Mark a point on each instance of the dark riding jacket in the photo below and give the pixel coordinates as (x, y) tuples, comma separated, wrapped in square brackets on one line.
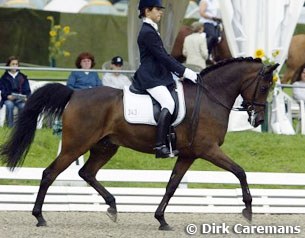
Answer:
[(156, 64), (9, 85)]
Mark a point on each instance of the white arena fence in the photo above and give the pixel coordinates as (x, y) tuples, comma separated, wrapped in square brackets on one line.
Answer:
[(73, 195)]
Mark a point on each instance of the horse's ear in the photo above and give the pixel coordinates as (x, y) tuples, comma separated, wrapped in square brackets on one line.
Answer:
[(270, 68)]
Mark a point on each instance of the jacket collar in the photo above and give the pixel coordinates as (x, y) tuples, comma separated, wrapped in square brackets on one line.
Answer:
[(151, 22), (14, 75)]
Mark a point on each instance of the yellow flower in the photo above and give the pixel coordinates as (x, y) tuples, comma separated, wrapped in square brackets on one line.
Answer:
[(57, 44), (275, 53), (53, 33), (66, 29), (58, 37), (259, 53), (66, 53)]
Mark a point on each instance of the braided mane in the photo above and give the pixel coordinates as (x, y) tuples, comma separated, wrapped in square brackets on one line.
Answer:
[(228, 61)]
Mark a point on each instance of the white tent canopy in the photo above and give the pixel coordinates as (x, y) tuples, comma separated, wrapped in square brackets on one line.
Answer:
[(70, 6), (262, 24)]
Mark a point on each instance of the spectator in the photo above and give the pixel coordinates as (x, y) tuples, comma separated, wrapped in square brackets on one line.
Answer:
[(15, 89), (82, 79), (195, 46), (298, 93), (116, 79), (155, 73), (208, 13)]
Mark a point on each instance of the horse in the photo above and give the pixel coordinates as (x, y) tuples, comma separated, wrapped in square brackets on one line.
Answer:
[(93, 120), (220, 52), (295, 59)]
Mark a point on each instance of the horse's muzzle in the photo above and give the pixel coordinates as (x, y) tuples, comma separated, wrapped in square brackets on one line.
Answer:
[(259, 119), (256, 118)]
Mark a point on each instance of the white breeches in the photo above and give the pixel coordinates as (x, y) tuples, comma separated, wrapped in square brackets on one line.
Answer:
[(163, 96)]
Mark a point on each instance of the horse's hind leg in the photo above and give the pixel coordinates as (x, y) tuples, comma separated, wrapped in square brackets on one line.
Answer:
[(221, 160), (48, 177), (100, 154), (181, 166)]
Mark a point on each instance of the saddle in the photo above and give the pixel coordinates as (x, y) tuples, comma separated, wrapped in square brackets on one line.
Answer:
[(141, 108)]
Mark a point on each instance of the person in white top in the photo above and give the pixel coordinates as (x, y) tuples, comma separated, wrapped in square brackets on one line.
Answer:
[(208, 12), (195, 46), (116, 79), (298, 92)]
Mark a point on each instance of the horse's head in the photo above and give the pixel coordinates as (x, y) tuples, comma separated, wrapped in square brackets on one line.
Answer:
[(255, 93)]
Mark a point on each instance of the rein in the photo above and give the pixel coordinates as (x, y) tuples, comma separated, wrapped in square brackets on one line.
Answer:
[(195, 114), (203, 86), (246, 103), (247, 106)]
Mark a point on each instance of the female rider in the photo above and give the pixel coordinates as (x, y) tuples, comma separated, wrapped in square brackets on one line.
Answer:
[(156, 68)]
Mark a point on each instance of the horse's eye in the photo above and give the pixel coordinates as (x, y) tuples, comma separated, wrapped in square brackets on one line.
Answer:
[(264, 89)]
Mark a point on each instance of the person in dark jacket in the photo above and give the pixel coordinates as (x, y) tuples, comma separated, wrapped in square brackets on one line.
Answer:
[(15, 89), (156, 70)]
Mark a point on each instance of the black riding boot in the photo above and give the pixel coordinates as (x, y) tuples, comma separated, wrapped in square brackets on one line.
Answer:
[(162, 151)]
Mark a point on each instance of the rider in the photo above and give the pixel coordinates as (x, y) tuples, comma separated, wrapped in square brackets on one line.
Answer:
[(156, 70), (208, 13)]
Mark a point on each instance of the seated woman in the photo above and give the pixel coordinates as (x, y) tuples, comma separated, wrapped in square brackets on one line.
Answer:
[(15, 89), (79, 80), (84, 79)]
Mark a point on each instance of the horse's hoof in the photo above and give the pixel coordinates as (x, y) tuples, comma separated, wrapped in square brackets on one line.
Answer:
[(41, 223), (112, 214), (247, 213), (165, 228)]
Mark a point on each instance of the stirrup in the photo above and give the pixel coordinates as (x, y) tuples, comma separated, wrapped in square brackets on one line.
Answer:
[(163, 152)]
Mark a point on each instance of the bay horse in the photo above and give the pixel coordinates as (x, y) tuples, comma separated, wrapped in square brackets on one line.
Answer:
[(295, 58), (93, 121)]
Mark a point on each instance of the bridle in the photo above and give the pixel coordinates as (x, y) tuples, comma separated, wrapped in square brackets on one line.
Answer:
[(249, 105)]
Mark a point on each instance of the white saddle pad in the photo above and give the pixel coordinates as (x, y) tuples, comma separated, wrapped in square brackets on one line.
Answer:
[(138, 108)]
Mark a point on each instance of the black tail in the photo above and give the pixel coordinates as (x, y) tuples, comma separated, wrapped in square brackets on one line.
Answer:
[(50, 99)]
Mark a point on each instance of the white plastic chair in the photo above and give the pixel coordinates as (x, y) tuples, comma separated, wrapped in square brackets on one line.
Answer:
[(295, 111), (2, 116)]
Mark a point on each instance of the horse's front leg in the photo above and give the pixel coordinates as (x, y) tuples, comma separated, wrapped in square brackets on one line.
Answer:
[(181, 166), (221, 160)]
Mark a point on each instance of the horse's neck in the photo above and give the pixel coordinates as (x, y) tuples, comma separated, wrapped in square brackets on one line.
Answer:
[(223, 89)]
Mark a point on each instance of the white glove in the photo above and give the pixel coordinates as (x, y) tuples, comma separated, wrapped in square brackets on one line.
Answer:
[(190, 74)]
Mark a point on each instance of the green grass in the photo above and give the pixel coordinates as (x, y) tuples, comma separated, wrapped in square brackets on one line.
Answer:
[(257, 152), (264, 152)]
